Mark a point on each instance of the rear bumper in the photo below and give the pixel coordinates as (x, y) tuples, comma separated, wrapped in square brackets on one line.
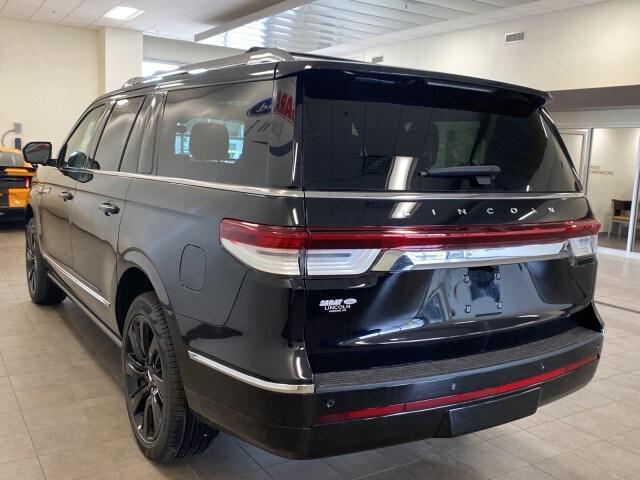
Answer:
[(291, 425), (13, 200)]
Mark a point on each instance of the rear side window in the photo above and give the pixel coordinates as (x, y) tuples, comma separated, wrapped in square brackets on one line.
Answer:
[(131, 155), (214, 134), (404, 134), (115, 134)]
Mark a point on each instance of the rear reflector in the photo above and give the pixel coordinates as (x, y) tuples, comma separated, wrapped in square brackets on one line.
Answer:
[(455, 399), (289, 250)]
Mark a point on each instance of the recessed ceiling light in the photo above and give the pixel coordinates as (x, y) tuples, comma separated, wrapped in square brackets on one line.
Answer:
[(123, 13)]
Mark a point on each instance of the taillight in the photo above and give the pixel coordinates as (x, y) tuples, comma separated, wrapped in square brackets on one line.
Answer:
[(293, 251), (266, 248), (27, 182)]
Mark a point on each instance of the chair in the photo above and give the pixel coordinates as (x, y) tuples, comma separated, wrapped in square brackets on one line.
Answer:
[(621, 215)]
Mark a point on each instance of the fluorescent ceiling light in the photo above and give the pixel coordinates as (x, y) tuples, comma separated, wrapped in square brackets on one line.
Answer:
[(123, 13)]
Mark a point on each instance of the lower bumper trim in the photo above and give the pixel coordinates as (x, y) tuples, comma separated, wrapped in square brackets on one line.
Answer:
[(302, 388), (451, 400)]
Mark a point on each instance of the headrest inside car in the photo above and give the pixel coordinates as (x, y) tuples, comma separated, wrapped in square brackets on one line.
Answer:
[(209, 141)]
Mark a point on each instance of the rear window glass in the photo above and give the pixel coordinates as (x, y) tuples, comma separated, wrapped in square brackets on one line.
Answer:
[(404, 134), (10, 159), (211, 134)]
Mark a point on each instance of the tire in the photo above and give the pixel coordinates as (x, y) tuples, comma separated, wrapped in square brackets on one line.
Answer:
[(153, 387), (41, 288)]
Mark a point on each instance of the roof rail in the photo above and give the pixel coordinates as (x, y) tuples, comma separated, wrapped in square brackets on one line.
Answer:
[(253, 56), (313, 56)]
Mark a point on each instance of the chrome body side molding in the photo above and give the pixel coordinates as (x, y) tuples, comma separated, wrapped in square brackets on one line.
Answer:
[(75, 280), (112, 336), (251, 380)]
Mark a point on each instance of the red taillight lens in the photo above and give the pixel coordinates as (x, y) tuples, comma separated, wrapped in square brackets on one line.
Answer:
[(27, 182), (438, 237), (279, 250), (264, 236)]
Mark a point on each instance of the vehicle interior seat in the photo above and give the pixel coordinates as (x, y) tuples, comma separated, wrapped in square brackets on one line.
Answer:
[(209, 144)]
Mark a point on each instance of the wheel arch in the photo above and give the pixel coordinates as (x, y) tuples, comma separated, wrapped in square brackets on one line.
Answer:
[(138, 276), (28, 213)]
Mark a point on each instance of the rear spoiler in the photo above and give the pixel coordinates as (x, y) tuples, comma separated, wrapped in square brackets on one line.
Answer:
[(25, 171)]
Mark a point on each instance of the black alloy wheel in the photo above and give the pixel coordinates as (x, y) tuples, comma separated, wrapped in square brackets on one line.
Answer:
[(42, 289), (163, 424), (31, 260), (145, 384)]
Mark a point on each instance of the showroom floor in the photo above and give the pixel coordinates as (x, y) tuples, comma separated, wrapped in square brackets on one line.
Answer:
[(62, 414)]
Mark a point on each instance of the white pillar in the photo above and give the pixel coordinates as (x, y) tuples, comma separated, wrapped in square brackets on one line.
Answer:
[(119, 57)]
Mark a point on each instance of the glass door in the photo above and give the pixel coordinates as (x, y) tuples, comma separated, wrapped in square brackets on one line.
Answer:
[(634, 236), (577, 142), (612, 178)]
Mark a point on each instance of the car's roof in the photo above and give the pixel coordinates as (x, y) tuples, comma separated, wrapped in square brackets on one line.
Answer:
[(282, 63)]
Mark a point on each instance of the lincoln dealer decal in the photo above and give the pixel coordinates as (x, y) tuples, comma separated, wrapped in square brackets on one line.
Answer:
[(337, 305)]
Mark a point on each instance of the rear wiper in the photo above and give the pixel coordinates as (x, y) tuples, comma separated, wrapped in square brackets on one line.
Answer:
[(483, 173)]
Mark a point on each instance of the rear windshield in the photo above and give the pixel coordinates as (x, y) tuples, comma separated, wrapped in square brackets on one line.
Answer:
[(405, 133), (10, 159)]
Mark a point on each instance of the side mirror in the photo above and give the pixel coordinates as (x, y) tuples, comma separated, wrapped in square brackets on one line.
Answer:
[(37, 153)]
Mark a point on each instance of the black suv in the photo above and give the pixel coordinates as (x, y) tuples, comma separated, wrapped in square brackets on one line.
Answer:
[(321, 256)]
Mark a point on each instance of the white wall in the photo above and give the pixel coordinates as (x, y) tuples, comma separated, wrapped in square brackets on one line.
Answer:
[(179, 52), (620, 117), (592, 46), (120, 57), (48, 75)]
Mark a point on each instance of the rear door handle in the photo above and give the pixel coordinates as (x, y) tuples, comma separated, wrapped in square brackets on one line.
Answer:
[(109, 208), (66, 196)]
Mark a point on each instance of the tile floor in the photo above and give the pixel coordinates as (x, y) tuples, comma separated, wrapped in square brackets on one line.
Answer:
[(62, 414)]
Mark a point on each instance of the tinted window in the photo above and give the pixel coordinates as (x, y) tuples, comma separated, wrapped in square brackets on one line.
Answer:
[(391, 133), (214, 134), (10, 159), (74, 153), (115, 134), (132, 151)]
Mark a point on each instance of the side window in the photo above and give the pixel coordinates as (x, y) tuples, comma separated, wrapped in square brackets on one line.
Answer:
[(129, 162), (74, 153), (115, 134), (217, 134)]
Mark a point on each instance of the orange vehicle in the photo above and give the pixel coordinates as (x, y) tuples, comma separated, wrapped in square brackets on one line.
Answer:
[(15, 181)]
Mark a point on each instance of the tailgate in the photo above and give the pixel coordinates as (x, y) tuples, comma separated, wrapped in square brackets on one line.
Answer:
[(445, 218), (468, 300)]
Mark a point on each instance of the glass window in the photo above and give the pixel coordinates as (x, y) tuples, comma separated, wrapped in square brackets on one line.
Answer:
[(612, 170), (132, 151), (115, 134), (390, 133), (74, 153), (216, 134), (11, 159)]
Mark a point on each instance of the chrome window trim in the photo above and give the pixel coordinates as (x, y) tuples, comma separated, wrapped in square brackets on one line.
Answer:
[(65, 273), (329, 194), (408, 196), (403, 260), (251, 380), (264, 191)]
